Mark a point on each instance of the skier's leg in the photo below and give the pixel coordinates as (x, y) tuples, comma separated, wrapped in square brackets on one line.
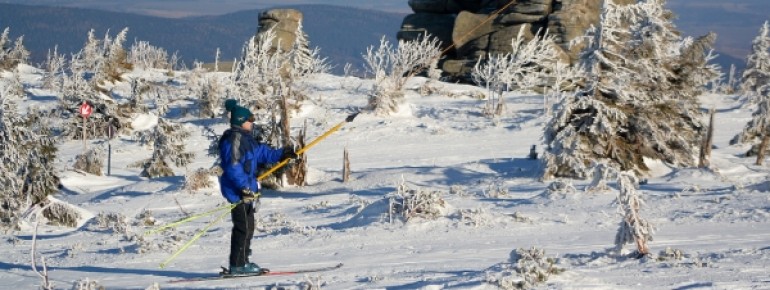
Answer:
[(240, 235)]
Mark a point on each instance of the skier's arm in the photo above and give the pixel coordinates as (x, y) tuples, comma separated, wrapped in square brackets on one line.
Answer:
[(267, 154)]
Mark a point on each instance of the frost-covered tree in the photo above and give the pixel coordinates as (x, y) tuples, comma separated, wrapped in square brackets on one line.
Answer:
[(27, 155), (12, 55), (639, 99), (633, 228), (168, 142), (756, 85), (393, 67), (256, 79), (116, 61), (523, 68), (55, 66), (756, 76), (144, 55), (91, 55), (304, 60)]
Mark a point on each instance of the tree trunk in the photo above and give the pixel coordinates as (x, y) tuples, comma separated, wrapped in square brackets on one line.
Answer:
[(705, 150), (298, 172), (345, 166), (762, 148)]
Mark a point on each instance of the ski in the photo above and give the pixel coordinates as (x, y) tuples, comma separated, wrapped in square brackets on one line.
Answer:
[(222, 276)]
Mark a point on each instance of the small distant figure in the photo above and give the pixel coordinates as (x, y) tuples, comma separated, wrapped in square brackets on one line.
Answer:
[(533, 152)]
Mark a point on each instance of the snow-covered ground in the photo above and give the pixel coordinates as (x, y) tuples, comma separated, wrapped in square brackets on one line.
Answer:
[(494, 204)]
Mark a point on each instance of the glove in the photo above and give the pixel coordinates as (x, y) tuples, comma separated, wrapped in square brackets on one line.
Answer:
[(289, 153), (248, 196)]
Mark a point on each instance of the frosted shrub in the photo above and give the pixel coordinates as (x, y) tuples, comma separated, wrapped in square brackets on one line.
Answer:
[(560, 188), (91, 161), (198, 179), (458, 190), (523, 68), (87, 284), (633, 228), (168, 140), (167, 243), (601, 174), (670, 254), (279, 223), (115, 222), (392, 68), (145, 219), (474, 217), (60, 213), (529, 268), (496, 191), (143, 54), (407, 204)]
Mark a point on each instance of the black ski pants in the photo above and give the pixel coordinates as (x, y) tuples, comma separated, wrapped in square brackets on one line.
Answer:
[(243, 232)]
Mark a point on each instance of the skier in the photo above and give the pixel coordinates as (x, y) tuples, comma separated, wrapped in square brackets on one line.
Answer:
[(240, 156)]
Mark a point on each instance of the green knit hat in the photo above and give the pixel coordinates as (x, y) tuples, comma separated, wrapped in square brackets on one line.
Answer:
[(240, 115)]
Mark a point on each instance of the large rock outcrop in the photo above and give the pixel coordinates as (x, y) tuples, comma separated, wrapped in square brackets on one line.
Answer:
[(466, 25), (284, 23)]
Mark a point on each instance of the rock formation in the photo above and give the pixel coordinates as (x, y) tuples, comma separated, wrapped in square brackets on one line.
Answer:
[(284, 23), (465, 24)]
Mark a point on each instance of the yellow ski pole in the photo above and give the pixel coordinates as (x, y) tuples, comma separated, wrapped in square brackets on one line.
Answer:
[(312, 143)]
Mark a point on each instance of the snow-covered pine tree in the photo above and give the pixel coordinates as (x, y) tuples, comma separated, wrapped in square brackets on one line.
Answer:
[(639, 100), (5, 44), (254, 74), (168, 142), (633, 228), (90, 161), (757, 73), (756, 84), (11, 56), (116, 61), (55, 65), (91, 55), (304, 60), (19, 54), (27, 155)]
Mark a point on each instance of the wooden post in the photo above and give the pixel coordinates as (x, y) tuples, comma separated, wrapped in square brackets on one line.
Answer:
[(762, 148), (705, 150), (345, 166), (85, 144)]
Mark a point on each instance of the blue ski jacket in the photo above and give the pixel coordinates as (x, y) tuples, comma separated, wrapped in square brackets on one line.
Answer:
[(240, 155)]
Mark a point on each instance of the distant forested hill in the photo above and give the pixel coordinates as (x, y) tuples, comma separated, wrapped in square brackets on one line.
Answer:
[(342, 33)]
